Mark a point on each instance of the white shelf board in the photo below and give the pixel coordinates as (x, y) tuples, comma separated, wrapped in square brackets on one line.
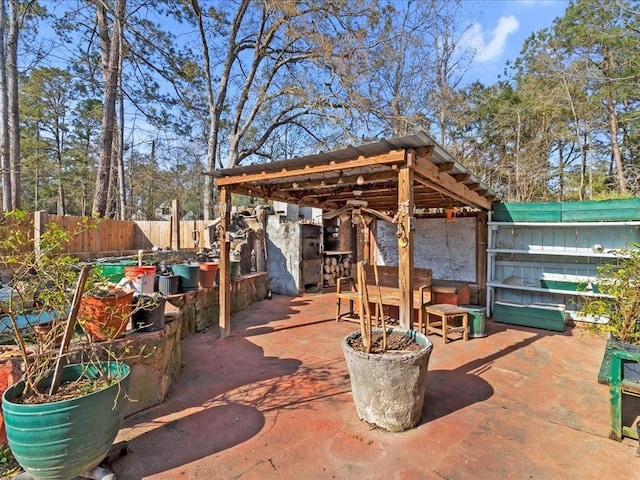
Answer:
[(563, 253), (534, 288)]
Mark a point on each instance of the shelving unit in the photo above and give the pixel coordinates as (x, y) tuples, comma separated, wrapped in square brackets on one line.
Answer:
[(539, 267)]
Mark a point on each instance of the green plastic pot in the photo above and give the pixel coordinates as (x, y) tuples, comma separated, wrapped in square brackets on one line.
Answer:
[(113, 271), (62, 440)]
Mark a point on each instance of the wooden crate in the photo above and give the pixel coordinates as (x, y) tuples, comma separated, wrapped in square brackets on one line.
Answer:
[(451, 292)]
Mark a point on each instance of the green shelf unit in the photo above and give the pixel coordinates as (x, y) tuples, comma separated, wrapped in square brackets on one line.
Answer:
[(545, 317), (549, 254)]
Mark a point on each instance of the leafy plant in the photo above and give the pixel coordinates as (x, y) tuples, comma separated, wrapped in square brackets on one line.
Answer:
[(621, 281), (8, 464)]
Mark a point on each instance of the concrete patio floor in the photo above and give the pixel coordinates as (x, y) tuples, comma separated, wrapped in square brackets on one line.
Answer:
[(273, 401)]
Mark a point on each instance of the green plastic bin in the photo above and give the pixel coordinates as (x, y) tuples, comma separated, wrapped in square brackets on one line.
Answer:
[(113, 271), (476, 317)]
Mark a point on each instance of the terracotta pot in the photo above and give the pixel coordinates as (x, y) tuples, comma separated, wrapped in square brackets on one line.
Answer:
[(207, 274), (43, 332), (106, 317)]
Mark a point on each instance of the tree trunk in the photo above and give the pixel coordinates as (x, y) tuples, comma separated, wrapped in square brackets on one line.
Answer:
[(122, 196), (615, 146), (14, 114), (4, 116), (110, 50), (216, 105), (212, 139)]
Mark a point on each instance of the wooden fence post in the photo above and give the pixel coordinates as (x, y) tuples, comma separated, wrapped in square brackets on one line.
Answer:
[(40, 219), (175, 225)]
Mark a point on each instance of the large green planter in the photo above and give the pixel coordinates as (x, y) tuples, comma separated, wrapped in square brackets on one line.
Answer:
[(62, 440), (620, 370)]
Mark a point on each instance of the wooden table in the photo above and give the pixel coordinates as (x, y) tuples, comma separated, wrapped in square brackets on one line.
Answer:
[(446, 313)]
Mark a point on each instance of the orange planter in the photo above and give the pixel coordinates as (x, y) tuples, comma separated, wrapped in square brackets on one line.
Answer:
[(106, 317), (43, 332), (207, 274)]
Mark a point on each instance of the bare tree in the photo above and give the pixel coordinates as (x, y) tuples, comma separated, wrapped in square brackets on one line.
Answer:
[(271, 60), (4, 117), (110, 37)]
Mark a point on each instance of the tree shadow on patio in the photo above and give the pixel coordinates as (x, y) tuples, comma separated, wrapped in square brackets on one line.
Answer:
[(224, 394), (172, 443), (452, 390)]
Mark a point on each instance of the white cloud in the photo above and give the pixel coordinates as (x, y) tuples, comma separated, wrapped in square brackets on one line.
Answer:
[(488, 52)]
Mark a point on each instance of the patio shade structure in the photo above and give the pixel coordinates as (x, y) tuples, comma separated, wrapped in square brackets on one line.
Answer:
[(399, 177)]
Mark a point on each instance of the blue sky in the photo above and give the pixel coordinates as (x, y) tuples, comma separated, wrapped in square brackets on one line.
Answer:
[(499, 28)]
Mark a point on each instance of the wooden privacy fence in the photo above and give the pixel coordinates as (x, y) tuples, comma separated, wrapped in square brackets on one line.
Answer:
[(98, 238)]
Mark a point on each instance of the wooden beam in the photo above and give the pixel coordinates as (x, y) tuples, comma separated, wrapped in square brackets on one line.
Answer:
[(462, 177), (225, 263), (446, 184), (445, 167), (395, 156), (405, 243), (442, 190)]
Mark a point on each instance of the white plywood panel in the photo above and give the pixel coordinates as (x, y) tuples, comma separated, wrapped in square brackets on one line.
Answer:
[(447, 248)]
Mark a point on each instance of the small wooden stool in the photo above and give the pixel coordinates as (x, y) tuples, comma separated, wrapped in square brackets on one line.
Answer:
[(446, 312)]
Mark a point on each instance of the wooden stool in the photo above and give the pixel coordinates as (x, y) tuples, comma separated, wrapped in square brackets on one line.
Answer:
[(446, 313)]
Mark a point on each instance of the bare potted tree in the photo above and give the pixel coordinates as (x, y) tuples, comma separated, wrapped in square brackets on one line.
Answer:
[(60, 420), (387, 368)]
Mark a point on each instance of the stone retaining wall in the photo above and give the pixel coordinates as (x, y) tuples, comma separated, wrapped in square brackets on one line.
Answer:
[(155, 357)]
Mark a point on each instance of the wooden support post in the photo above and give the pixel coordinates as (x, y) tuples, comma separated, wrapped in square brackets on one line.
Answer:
[(346, 234), (481, 255), (225, 263), (405, 242), (175, 225)]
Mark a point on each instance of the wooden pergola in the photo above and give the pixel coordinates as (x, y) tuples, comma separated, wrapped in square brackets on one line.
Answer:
[(399, 177)]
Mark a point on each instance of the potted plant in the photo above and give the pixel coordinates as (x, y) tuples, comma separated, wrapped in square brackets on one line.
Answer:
[(105, 312), (617, 314), (148, 314), (60, 420), (387, 369)]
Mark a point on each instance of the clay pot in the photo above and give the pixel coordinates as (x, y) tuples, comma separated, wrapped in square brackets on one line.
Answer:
[(43, 332), (105, 317), (208, 271)]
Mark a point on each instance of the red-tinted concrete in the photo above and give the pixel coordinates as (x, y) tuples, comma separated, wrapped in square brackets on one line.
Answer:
[(273, 402)]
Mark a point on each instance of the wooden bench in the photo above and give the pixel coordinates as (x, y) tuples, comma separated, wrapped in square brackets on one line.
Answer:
[(347, 289)]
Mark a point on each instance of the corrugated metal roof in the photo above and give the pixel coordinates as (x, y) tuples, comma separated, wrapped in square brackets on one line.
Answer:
[(378, 148), (302, 170)]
